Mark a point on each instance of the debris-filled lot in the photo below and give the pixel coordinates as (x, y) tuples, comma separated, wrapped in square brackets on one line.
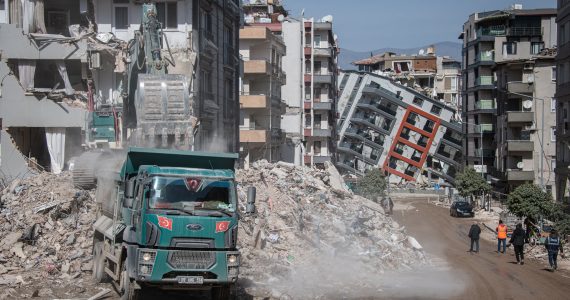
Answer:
[(310, 238)]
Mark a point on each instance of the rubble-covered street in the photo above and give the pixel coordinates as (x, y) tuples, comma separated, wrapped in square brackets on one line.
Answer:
[(306, 237)]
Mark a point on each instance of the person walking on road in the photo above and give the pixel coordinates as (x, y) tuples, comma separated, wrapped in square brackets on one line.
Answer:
[(553, 244), (517, 240), (474, 233), (501, 237), (388, 204)]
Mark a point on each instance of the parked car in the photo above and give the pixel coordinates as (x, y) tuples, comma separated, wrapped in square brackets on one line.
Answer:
[(461, 209)]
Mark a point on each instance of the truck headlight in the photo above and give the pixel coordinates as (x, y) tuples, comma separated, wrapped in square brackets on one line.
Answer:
[(232, 259), (144, 269), (146, 257)]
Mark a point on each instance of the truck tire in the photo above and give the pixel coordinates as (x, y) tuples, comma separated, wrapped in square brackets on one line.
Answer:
[(98, 273), (222, 292), (128, 290)]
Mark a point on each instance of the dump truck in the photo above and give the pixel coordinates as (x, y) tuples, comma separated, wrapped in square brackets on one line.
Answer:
[(168, 219)]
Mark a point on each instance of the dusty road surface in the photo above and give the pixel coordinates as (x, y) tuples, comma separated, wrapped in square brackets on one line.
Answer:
[(486, 275)]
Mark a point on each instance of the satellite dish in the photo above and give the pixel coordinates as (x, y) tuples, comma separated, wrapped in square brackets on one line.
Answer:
[(520, 165), (422, 51), (281, 18), (527, 104)]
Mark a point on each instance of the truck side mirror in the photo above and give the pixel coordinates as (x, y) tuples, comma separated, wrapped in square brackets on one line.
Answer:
[(250, 207), (128, 202)]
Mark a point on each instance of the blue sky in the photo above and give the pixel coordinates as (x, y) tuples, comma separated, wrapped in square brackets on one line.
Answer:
[(364, 25)]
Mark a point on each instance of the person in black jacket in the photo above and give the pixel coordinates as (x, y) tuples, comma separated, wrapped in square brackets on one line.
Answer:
[(474, 233), (517, 240)]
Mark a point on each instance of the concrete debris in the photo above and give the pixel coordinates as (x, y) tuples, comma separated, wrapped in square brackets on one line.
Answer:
[(46, 229), (309, 227)]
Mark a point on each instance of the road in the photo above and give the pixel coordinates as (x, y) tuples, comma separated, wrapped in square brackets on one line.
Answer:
[(486, 275)]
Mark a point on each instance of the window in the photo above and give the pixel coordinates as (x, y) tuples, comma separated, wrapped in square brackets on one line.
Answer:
[(562, 34), (436, 110), (317, 121), (317, 41), (553, 73), (206, 24), (553, 105), (536, 47), (317, 147), (509, 48), (317, 67), (307, 40), (317, 93), (553, 134), (418, 101), (229, 101), (307, 119), (553, 164), (2, 5), (454, 83), (308, 92), (121, 17), (166, 14), (308, 66)]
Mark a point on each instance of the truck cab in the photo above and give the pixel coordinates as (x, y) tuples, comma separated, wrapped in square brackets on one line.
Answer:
[(173, 223)]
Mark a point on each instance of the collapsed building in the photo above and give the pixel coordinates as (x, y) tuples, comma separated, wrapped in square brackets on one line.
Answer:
[(438, 77), (64, 65), (386, 125)]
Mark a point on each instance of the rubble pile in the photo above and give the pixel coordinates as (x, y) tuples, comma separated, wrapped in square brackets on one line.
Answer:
[(311, 238), (46, 230)]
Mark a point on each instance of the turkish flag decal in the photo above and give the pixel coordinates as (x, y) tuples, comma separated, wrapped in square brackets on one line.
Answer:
[(222, 226), (165, 222)]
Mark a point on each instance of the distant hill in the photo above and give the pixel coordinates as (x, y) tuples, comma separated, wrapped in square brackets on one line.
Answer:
[(347, 56)]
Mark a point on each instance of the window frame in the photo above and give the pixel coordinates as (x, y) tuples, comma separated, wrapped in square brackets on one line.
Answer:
[(553, 73), (553, 134), (165, 26), (553, 105), (125, 6), (505, 48)]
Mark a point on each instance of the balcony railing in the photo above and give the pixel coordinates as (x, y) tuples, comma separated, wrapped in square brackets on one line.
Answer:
[(524, 31), (492, 31), (485, 104), (485, 128), (484, 80)]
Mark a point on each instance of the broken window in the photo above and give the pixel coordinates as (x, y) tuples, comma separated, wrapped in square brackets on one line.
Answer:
[(436, 110), (418, 101), (429, 126)]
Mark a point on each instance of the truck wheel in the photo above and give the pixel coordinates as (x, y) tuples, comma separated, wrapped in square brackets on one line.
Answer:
[(128, 291), (222, 292), (98, 273)]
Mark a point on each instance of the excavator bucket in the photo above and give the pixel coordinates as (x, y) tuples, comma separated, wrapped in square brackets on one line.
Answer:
[(165, 117)]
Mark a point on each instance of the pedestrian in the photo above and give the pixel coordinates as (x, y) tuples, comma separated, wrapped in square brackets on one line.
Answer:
[(517, 240), (501, 237), (387, 204), (553, 245), (474, 233)]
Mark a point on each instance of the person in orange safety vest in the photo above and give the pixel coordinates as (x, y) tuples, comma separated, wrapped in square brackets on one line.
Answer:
[(501, 236)]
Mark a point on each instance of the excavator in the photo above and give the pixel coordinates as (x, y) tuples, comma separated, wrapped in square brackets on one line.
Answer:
[(156, 111)]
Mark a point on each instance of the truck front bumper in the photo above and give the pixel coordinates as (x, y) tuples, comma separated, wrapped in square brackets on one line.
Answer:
[(175, 267)]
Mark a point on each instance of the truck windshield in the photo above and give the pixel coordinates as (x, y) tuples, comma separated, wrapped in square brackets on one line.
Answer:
[(194, 193)]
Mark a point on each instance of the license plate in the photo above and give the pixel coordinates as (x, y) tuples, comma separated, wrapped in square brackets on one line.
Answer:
[(190, 279)]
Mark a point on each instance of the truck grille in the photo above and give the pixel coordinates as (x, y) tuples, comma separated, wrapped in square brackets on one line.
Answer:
[(194, 260)]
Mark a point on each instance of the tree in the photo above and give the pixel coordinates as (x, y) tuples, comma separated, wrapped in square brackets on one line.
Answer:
[(528, 200), (469, 182), (372, 185)]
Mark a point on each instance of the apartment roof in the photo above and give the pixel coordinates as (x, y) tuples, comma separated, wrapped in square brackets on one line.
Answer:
[(389, 56), (503, 14)]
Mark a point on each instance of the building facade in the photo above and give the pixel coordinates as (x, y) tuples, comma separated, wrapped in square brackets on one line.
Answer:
[(563, 103), (387, 125), (507, 85), (261, 105), (86, 69)]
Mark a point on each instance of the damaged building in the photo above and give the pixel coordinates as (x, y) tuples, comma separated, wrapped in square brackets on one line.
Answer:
[(438, 77), (62, 61), (386, 125)]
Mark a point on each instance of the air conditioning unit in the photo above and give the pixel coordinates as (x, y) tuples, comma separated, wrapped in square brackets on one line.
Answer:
[(528, 67)]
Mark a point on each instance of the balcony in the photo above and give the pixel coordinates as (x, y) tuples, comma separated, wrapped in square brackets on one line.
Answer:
[(322, 105), (485, 56), (524, 31), (484, 80), (322, 132), (492, 31), (253, 33), (520, 117), (253, 101), (485, 128), (519, 175), (520, 146), (320, 159), (254, 136), (323, 78), (485, 105), (520, 87), (485, 152), (323, 52), (256, 67)]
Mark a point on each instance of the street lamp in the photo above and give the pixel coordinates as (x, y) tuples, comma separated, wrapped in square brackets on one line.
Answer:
[(542, 134), (480, 143)]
